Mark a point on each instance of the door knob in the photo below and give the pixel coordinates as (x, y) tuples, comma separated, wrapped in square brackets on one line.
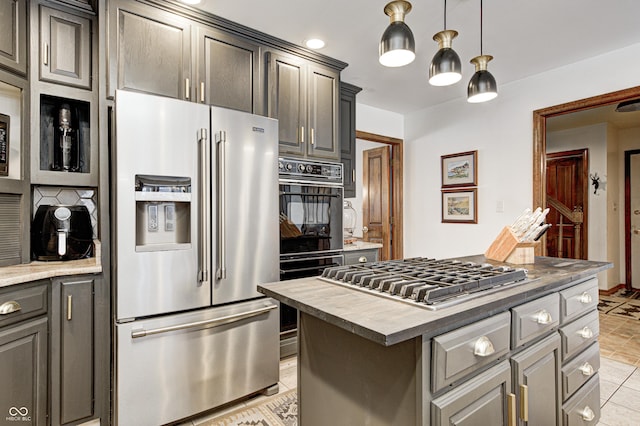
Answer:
[(636, 231), (636, 212), (365, 229)]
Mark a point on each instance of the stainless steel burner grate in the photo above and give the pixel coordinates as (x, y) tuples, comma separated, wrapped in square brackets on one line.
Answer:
[(425, 281)]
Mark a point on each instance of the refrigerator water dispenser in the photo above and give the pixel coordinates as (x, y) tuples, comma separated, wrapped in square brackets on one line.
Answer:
[(163, 213)]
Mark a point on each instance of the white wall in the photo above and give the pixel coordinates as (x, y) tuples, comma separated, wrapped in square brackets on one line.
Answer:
[(594, 138), (502, 132), (612, 183)]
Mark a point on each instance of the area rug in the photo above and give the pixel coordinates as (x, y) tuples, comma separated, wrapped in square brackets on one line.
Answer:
[(619, 306), (280, 410)]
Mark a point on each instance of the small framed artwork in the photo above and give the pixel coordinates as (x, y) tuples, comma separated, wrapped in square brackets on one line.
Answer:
[(460, 169), (4, 145), (460, 205)]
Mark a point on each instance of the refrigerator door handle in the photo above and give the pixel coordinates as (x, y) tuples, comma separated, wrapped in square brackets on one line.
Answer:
[(210, 323), (205, 208), (221, 139)]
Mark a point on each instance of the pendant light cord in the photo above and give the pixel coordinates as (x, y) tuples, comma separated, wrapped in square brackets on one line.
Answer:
[(445, 14), (480, 27)]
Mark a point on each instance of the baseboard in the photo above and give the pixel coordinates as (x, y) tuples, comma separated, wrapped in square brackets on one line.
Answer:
[(612, 290)]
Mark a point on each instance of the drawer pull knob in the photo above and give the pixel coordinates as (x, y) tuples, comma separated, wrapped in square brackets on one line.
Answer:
[(10, 307), (586, 333), (586, 368), (483, 347), (362, 259), (586, 298), (543, 317), (588, 414)]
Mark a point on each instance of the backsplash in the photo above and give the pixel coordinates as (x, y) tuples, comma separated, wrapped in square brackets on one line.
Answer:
[(54, 195)]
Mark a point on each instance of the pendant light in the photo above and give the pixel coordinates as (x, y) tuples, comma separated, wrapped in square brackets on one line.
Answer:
[(482, 86), (445, 68), (397, 46)]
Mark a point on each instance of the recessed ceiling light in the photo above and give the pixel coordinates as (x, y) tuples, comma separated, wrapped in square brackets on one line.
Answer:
[(314, 43)]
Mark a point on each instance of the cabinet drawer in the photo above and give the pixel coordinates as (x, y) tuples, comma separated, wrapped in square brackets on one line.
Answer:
[(460, 352), (584, 407), (21, 303), (581, 369), (360, 256), (578, 300), (535, 318), (579, 334)]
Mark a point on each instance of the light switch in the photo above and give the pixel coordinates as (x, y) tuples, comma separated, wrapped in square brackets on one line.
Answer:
[(500, 207)]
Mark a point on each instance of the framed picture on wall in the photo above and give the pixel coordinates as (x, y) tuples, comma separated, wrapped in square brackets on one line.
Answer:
[(4, 145), (460, 169), (460, 206)]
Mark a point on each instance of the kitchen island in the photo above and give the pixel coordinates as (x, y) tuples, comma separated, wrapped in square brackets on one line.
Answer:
[(528, 350)]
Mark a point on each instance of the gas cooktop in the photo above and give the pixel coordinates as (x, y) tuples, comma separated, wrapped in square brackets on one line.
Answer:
[(428, 283)]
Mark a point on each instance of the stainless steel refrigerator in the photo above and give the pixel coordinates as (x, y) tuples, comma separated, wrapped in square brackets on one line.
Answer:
[(195, 230)]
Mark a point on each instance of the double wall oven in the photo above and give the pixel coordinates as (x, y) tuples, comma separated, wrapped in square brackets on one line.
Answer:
[(311, 238)]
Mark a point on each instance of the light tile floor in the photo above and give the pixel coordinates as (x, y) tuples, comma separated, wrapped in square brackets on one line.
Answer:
[(619, 375)]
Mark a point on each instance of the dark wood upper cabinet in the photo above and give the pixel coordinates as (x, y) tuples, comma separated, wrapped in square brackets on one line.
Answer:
[(228, 71), (348, 94), (13, 35)]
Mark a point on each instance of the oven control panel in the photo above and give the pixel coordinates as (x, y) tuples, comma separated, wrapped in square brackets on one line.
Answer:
[(289, 168)]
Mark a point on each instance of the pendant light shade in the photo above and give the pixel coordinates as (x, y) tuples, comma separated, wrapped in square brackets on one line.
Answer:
[(397, 46), (482, 86), (445, 68)]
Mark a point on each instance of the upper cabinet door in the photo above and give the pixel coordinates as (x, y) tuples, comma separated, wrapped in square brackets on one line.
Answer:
[(149, 51), (228, 71), (287, 101), (13, 35), (323, 113), (65, 43)]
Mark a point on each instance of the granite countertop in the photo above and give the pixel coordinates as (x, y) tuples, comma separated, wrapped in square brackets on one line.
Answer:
[(26, 272), (361, 245), (388, 322)]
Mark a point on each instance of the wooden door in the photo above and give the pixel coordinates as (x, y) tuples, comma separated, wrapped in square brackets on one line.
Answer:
[(567, 183), (376, 197)]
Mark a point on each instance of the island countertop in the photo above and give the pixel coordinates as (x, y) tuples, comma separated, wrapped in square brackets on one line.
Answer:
[(388, 322)]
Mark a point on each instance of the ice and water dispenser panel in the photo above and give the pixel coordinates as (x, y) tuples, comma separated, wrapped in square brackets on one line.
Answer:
[(163, 213)]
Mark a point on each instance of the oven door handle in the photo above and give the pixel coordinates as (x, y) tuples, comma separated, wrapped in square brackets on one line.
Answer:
[(310, 268), (210, 323)]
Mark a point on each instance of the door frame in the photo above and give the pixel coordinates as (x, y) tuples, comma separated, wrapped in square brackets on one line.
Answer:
[(396, 188), (627, 218), (540, 117)]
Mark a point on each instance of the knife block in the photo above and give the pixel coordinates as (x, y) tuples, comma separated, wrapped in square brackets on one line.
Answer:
[(506, 248)]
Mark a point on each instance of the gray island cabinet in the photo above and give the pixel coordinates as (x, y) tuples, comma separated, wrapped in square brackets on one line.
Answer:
[(527, 354)]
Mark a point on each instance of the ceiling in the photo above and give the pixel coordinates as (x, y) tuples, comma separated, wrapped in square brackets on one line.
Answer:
[(525, 37), (604, 114)]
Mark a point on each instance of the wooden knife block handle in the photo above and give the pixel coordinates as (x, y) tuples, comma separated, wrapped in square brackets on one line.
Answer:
[(506, 248)]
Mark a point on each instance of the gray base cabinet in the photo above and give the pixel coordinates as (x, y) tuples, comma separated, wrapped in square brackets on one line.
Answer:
[(508, 368), (72, 357), (352, 257), (54, 352), (13, 35), (23, 354)]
